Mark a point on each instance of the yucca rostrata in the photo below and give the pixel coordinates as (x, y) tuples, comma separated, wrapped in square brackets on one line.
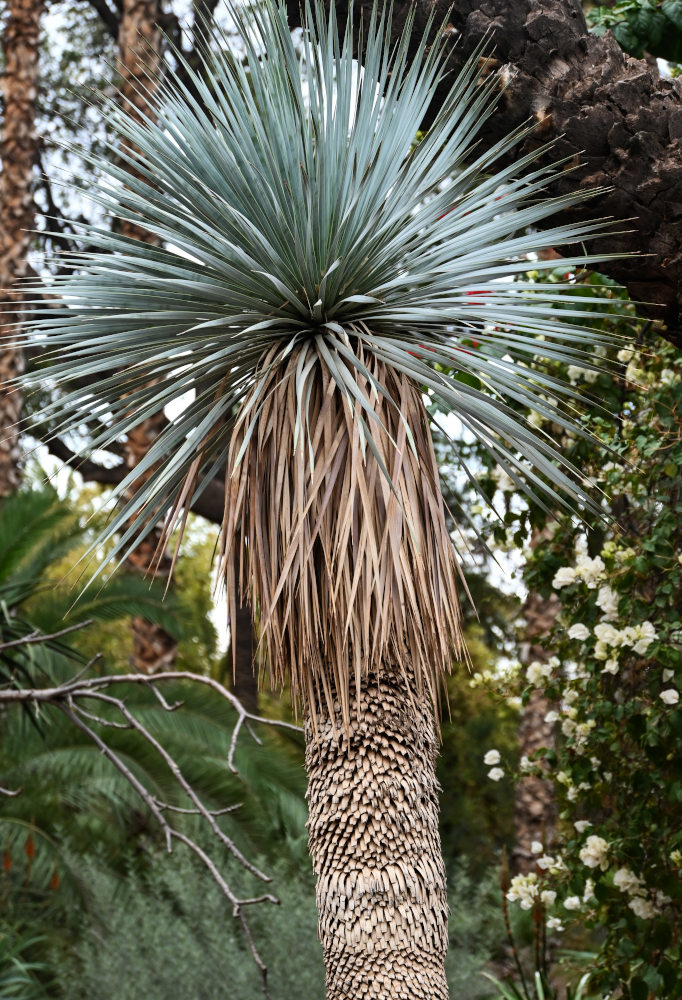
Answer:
[(319, 271)]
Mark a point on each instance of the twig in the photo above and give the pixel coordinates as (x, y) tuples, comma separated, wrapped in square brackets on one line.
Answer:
[(37, 637)]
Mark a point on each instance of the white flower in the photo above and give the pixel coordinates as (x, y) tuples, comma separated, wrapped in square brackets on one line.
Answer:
[(601, 651), (572, 793), (640, 637), (661, 898), (668, 675), (593, 854), (568, 727), (670, 696), (536, 847), (607, 600), (642, 908), (546, 862), (578, 631), (611, 666), (492, 757), (525, 764), (524, 890), (590, 570), (571, 696), (633, 373), (572, 902), (535, 419), (627, 881), (548, 897), (537, 672), (625, 354), (554, 924), (552, 716), (496, 774), (588, 893), (582, 824), (607, 634), (564, 577)]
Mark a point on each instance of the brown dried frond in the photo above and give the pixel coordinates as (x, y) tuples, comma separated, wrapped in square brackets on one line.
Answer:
[(343, 566)]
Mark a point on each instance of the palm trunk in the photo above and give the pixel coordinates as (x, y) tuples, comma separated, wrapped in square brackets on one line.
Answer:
[(375, 846), (139, 42), (20, 46)]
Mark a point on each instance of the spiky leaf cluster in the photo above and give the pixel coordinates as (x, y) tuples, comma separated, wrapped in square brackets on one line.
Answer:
[(305, 234)]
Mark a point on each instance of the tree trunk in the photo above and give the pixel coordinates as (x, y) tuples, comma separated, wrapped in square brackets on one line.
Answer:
[(20, 44), (534, 806), (375, 846), (139, 43)]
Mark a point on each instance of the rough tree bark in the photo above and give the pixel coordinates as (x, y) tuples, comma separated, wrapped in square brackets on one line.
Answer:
[(375, 846), (534, 805), (606, 111), (139, 44), (18, 147)]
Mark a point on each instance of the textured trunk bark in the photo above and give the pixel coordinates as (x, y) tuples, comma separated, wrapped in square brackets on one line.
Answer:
[(139, 43), (534, 805), (375, 846), (605, 110), (20, 45)]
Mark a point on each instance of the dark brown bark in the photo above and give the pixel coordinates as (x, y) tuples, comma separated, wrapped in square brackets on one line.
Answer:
[(603, 109), (20, 43), (139, 43), (534, 806), (375, 847)]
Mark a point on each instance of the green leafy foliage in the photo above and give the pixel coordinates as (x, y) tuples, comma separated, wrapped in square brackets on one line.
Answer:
[(157, 929), (617, 862), (642, 26)]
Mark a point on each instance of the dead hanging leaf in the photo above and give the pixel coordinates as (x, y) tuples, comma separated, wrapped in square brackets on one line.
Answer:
[(343, 566)]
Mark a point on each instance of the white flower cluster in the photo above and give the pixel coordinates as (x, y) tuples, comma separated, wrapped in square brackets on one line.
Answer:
[(594, 852), (575, 373), (638, 637), (493, 757), (641, 906), (524, 890), (538, 672), (590, 571)]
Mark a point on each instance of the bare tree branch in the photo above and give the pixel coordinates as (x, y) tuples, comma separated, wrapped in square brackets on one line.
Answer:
[(109, 18), (69, 698), (38, 638)]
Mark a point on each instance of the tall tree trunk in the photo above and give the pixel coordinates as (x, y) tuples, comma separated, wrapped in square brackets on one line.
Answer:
[(534, 806), (375, 846), (139, 43), (20, 44), (243, 678)]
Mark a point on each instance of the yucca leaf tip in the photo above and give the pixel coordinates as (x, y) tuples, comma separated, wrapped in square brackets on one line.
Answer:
[(318, 270)]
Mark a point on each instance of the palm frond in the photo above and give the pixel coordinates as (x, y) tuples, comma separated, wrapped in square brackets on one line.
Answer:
[(318, 264)]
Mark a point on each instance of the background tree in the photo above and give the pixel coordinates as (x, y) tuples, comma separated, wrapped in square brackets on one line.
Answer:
[(18, 149)]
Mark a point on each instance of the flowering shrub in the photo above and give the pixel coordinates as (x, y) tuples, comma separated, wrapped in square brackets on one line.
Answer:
[(615, 674)]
